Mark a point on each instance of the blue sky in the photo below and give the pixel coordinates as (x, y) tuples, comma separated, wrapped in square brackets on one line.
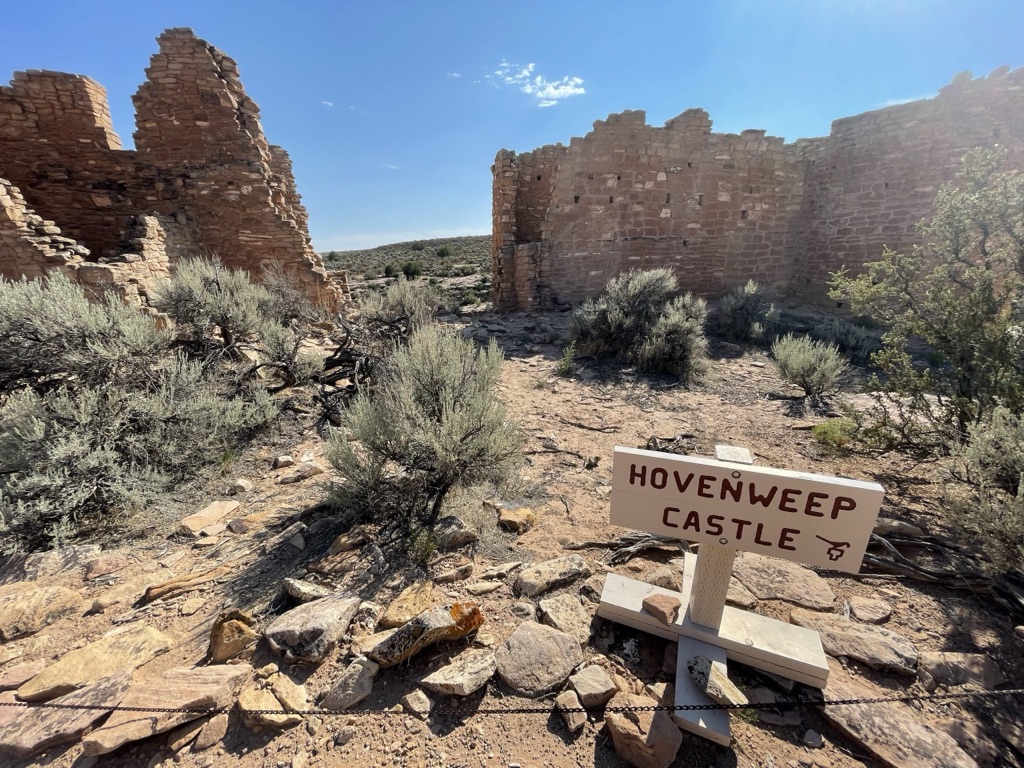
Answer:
[(393, 111)]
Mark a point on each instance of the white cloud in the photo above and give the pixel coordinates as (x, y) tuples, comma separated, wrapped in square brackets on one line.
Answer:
[(455, 75), (547, 92), (327, 103), (389, 166)]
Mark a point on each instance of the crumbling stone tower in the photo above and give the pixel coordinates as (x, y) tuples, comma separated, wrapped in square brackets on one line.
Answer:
[(720, 209), (202, 179)]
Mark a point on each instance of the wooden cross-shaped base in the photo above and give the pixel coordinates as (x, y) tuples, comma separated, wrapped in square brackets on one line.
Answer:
[(708, 627)]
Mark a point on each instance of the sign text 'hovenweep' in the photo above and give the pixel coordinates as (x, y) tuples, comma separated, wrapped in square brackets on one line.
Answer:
[(813, 519)]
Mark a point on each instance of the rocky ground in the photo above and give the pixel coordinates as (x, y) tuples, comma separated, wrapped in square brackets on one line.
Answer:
[(497, 613)]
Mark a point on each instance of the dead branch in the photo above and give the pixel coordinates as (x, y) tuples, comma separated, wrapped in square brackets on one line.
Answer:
[(627, 546), (581, 425)]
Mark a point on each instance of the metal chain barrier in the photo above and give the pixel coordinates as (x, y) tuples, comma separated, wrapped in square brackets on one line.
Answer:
[(458, 712)]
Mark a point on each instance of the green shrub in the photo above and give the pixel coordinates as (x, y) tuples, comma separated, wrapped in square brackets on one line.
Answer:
[(676, 343), (852, 340), (565, 363), (51, 335), (391, 271), (219, 305), (412, 270), (746, 314), (406, 304), (82, 460), (817, 368), (639, 319), (417, 247), (835, 434), (445, 251), (988, 502), (959, 291), (435, 424)]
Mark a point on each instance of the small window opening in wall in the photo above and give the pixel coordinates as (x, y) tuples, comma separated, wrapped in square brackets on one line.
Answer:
[(689, 164), (576, 198), (618, 178), (750, 190), (538, 177), (887, 185), (668, 198), (743, 214), (611, 199), (685, 244), (700, 199), (590, 176)]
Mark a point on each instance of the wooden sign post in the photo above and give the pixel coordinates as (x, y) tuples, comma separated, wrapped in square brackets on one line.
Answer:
[(726, 505)]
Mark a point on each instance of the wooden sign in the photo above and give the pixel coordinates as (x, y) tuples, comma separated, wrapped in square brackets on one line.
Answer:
[(812, 519)]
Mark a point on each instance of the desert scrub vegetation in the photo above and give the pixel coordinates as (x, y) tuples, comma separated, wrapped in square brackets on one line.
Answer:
[(100, 414), (814, 366), (433, 424), (440, 257), (959, 292), (747, 314), (854, 341), (641, 319)]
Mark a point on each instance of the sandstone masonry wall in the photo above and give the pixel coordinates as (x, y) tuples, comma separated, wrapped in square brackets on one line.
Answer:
[(202, 180), (720, 209)]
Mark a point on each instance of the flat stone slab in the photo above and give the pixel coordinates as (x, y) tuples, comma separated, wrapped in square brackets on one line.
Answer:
[(879, 648), (769, 578), (32, 731), (310, 632), (566, 614), (125, 650), (180, 688), (567, 703), (892, 733), (551, 574), (938, 668), (209, 515), (25, 611), (410, 603), (537, 658), (468, 672), (869, 610)]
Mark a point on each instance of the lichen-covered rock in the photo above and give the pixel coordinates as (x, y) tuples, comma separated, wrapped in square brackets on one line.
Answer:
[(310, 632), (445, 622)]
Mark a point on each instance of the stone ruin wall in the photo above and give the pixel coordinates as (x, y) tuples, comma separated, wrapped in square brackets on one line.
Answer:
[(201, 181), (720, 209)]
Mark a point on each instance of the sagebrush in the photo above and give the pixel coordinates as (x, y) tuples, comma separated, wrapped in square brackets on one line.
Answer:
[(746, 313), (854, 341), (640, 319), (814, 366), (103, 411), (434, 424)]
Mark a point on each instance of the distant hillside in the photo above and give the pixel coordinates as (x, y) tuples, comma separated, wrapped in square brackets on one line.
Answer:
[(439, 257)]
